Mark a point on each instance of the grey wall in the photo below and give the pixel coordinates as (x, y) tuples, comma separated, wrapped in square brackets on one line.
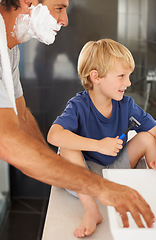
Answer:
[(151, 33)]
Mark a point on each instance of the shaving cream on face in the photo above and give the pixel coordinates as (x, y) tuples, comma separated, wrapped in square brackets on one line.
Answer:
[(40, 25)]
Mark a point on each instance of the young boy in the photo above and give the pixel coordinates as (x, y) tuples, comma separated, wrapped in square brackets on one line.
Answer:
[(90, 126)]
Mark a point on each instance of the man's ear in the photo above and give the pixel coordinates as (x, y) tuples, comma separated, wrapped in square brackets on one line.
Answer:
[(25, 5), (94, 76), (28, 3)]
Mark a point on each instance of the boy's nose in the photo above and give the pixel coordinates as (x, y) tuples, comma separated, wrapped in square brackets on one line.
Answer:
[(128, 82)]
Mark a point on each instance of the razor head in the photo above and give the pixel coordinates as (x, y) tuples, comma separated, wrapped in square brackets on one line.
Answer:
[(134, 121)]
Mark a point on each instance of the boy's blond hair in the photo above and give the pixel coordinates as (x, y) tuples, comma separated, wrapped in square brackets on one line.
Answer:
[(101, 56)]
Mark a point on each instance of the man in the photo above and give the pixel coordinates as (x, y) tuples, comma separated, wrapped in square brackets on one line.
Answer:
[(21, 143)]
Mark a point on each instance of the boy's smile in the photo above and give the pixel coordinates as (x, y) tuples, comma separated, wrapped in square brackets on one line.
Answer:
[(122, 91)]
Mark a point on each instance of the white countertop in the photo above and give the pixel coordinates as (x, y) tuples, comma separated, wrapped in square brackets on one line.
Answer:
[(65, 213)]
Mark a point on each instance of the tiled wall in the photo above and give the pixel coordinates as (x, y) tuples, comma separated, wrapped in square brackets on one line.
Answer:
[(136, 30)]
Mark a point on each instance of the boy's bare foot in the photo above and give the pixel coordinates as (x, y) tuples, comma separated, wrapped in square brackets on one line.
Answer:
[(91, 218)]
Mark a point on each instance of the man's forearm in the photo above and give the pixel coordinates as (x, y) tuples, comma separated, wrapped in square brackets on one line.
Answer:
[(40, 162), (19, 147), (30, 126)]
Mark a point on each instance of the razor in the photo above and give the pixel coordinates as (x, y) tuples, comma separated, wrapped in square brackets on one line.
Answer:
[(134, 123)]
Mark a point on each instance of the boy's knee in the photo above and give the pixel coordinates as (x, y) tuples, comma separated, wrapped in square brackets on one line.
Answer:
[(146, 138)]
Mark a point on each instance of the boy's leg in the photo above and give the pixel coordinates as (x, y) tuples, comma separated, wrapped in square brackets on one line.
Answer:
[(92, 215), (142, 144)]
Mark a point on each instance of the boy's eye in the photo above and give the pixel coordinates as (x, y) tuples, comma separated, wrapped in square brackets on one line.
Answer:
[(122, 75)]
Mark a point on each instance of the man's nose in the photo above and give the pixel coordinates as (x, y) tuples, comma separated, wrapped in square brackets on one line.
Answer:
[(63, 20)]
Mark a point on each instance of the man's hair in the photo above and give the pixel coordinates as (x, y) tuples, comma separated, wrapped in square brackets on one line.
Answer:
[(102, 56), (10, 3), (13, 3)]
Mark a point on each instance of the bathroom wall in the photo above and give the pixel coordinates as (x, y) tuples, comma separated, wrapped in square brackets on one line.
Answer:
[(137, 31), (132, 32), (151, 56)]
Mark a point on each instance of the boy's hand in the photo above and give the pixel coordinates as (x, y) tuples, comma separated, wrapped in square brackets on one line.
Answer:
[(110, 146), (153, 164)]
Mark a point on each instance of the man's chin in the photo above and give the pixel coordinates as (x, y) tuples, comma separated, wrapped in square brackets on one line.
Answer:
[(47, 41), (26, 38)]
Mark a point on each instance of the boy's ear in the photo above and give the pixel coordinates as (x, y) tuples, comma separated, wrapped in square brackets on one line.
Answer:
[(94, 76)]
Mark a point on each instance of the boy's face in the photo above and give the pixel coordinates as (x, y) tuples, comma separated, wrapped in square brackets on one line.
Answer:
[(114, 84)]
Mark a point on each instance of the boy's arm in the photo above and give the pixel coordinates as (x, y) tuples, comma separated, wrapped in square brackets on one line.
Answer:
[(58, 136)]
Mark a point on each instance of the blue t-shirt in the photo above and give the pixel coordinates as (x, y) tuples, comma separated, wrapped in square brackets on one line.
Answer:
[(83, 118)]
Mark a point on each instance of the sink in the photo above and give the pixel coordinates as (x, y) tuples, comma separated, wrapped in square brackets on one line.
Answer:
[(144, 181)]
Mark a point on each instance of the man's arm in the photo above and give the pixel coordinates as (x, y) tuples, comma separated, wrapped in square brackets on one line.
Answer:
[(38, 161), (26, 120), (34, 158)]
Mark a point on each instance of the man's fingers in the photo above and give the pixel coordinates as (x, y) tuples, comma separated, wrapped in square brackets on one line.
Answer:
[(146, 212), (125, 221), (137, 218), (126, 199), (139, 210), (139, 207)]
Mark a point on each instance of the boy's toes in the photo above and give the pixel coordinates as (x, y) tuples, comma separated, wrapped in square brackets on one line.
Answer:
[(89, 230), (79, 232)]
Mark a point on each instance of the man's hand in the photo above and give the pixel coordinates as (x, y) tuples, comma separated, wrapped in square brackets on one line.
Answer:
[(126, 199), (110, 146)]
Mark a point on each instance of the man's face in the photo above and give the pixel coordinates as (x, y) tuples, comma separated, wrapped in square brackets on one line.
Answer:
[(58, 9), (43, 22)]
